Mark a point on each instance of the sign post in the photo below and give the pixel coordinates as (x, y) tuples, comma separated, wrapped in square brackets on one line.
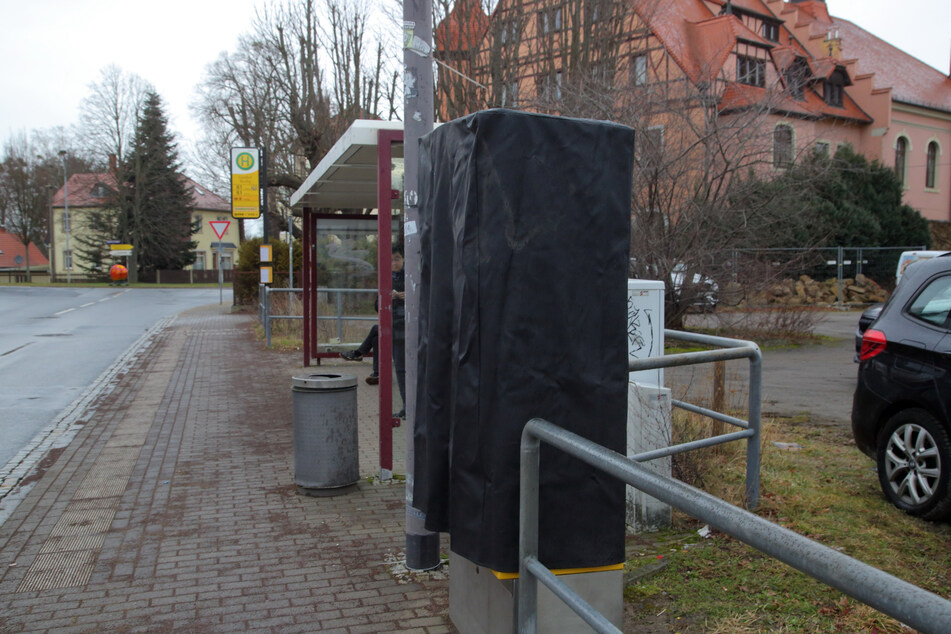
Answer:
[(219, 227)]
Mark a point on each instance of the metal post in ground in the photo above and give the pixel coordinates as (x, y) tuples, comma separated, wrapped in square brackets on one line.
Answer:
[(422, 546), (839, 264)]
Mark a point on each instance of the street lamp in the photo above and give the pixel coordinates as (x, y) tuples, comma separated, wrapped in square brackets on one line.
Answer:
[(69, 256)]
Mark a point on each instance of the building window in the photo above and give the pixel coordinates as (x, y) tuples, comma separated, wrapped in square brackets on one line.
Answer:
[(639, 70), (822, 148), (198, 223), (782, 146), (68, 259), (931, 166), (199, 261), (832, 91), (751, 71), (901, 158), (549, 87), (65, 221), (795, 77), (549, 20), (650, 147), (227, 262), (508, 33), (510, 94), (595, 12), (771, 31)]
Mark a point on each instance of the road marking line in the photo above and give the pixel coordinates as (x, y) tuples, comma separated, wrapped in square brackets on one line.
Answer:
[(104, 299), (63, 312), (89, 304)]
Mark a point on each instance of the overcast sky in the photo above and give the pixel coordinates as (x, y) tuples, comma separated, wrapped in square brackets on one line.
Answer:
[(53, 49)]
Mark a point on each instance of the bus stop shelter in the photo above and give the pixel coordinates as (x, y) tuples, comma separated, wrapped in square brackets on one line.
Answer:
[(355, 174)]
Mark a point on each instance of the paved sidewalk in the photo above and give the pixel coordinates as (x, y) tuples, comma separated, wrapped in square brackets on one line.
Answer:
[(174, 508)]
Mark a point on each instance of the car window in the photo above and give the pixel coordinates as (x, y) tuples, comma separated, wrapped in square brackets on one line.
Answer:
[(934, 302)]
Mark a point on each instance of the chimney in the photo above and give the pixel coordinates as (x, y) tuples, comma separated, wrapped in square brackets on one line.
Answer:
[(113, 167)]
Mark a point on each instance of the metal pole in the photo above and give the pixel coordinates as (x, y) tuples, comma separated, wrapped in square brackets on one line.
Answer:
[(290, 250), (527, 595), (422, 546), (339, 316), (221, 274), (262, 183), (839, 264), (68, 260), (267, 314)]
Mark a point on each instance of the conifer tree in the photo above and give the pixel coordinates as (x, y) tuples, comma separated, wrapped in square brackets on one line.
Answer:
[(156, 203)]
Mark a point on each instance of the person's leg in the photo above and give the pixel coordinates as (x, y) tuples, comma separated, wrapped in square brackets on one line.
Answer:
[(369, 343), (374, 339)]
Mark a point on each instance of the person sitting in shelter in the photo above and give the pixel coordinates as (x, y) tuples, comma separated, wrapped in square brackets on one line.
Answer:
[(371, 343)]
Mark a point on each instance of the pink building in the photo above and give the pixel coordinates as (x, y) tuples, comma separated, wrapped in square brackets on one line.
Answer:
[(827, 82)]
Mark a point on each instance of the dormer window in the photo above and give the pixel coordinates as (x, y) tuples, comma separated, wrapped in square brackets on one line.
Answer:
[(770, 31), (99, 191), (833, 89), (751, 71), (795, 77)]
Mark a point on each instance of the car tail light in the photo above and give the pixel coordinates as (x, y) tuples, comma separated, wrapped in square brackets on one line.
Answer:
[(873, 344)]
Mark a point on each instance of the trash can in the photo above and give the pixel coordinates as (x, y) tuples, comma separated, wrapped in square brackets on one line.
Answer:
[(326, 457)]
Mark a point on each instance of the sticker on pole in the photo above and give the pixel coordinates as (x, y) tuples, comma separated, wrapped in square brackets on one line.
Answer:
[(219, 227)]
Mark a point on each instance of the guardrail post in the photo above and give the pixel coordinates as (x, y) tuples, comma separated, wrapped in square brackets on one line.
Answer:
[(527, 606), (753, 448)]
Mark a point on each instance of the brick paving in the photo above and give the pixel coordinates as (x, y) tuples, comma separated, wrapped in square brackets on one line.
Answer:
[(174, 508)]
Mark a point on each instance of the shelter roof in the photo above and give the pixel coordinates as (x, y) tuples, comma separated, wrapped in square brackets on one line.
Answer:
[(346, 178), (11, 248)]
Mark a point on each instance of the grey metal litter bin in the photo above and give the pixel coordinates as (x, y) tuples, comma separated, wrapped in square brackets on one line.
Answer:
[(326, 458)]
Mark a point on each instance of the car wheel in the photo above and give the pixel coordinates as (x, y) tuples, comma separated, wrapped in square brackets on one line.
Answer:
[(914, 464)]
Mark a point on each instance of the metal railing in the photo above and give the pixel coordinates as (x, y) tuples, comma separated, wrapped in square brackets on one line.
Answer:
[(729, 349), (899, 599), (265, 314)]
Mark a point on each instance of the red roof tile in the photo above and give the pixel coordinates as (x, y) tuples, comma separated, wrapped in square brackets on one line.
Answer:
[(11, 247), (739, 96), (464, 27), (912, 81)]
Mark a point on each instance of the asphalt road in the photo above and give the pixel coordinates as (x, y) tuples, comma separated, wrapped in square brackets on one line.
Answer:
[(56, 341), (813, 381)]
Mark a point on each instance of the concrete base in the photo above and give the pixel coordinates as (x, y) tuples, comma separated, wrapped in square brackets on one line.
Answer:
[(480, 603)]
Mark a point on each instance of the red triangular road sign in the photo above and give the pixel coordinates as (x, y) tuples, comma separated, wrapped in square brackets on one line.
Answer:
[(219, 227)]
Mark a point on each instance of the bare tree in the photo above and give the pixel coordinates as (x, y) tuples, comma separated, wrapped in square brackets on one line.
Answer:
[(25, 180), (275, 93), (695, 150), (108, 114)]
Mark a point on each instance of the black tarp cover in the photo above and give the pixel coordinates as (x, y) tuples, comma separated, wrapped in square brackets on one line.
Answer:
[(524, 232)]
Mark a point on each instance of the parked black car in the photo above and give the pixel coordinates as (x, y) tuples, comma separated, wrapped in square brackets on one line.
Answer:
[(901, 411)]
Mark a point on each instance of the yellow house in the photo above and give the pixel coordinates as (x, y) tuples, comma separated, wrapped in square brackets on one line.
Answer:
[(88, 194)]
